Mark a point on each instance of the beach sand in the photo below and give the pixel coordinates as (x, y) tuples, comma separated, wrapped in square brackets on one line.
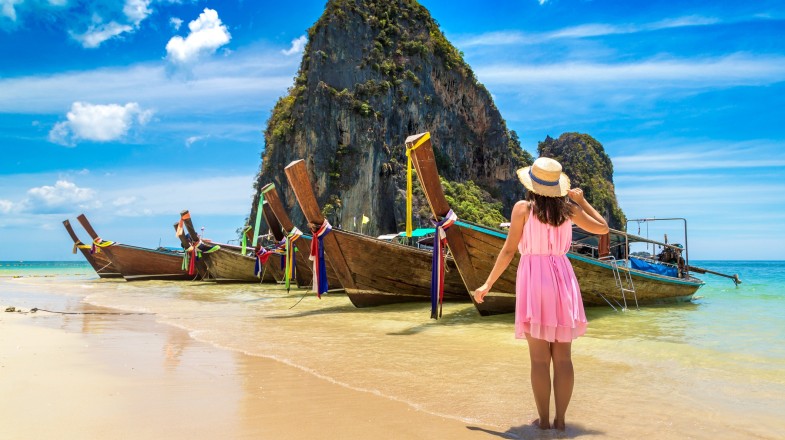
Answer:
[(258, 361), (127, 376)]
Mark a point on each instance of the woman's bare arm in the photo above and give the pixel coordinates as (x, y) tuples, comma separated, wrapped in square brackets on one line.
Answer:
[(519, 214), (585, 216)]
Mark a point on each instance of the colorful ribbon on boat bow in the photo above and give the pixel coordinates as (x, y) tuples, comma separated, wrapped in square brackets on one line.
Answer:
[(438, 263), (317, 256), (98, 244), (262, 255), (80, 245), (290, 249), (245, 239), (409, 150), (194, 254)]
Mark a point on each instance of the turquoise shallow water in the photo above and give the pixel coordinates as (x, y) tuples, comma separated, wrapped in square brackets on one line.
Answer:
[(44, 268), (712, 368)]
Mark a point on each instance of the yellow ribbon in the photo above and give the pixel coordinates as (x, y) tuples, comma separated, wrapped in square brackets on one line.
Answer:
[(409, 150)]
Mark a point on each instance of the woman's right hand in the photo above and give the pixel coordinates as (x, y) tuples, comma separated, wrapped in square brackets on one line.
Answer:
[(576, 194), (479, 294)]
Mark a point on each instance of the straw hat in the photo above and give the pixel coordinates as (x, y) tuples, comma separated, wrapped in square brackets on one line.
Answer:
[(545, 178)]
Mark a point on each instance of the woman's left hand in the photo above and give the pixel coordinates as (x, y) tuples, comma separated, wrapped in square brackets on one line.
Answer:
[(479, 294)]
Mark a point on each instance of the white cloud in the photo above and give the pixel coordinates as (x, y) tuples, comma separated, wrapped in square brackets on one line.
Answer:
[(98, 33), (133, 13), (136, 10), (252, 81), (501, 38), (64, 196), (686, 155), (7, 8), (731, 70), (193, 139), (96, 122), (542, 2), (298, 44), (6, 206), (176, 23), (123, 201), (207, 34)]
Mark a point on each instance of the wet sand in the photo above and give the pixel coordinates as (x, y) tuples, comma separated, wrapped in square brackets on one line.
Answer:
[(127, 376)]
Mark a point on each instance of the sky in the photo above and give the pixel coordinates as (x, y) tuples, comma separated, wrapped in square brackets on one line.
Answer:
[(130, 111)]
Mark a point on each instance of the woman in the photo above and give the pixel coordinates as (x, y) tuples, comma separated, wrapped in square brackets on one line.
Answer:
[(548, 305)]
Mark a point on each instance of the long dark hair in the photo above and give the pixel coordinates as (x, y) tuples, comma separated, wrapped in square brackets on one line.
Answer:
[(550, 210)]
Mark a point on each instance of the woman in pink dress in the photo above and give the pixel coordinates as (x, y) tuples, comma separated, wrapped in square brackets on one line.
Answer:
[(548, 306)]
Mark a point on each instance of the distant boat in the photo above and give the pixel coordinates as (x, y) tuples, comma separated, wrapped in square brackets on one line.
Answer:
[(137, 263), (372, 271), (475, 248), (229, 264), (100, 262)]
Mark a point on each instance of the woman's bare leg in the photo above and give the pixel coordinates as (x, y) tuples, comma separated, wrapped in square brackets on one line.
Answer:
[(563, 380), (540, 355)]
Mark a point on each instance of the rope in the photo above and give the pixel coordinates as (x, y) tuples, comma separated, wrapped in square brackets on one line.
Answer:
[(36, 309), (105, 266)]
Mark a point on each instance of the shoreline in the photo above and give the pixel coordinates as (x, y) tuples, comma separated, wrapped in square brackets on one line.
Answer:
[(132, 374)]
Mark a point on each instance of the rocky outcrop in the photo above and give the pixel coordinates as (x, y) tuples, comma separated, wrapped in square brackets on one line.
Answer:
[(374, 72), (589, 167)]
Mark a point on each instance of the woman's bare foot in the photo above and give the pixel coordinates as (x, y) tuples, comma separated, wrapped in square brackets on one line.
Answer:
[(559, 425), (541, 425)]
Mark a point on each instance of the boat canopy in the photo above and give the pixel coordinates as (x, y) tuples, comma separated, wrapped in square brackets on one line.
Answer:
[(419, 232)]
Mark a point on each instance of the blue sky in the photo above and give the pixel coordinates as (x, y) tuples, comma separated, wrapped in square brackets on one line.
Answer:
[(132, 110)]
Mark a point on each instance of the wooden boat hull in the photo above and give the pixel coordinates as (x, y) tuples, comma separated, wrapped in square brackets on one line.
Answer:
[(102, 265), (138, 264), (389, 273), (232, 267), (595, 277)]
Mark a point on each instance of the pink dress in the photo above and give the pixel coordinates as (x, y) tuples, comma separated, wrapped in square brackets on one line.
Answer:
[(548, 302)]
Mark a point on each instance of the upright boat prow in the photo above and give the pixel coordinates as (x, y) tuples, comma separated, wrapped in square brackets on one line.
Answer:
[(475, 248), (373, 272), (99, 261), (136, 263)]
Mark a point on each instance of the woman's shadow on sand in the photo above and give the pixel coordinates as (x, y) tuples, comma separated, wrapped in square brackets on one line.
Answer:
[(533, 432)]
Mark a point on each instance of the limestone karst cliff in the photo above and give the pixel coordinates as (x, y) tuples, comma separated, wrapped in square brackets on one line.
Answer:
[(372, 73)]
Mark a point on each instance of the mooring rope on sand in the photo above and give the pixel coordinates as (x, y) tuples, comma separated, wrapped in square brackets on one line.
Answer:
[(36, 309)]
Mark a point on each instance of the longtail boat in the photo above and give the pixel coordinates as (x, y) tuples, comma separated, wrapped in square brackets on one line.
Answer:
[(603, 280), (372, 271), (137, 263), (228, 263), (303, 242), (100, 262)]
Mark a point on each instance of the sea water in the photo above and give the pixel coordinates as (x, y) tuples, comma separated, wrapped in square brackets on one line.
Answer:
[(711, 368)]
